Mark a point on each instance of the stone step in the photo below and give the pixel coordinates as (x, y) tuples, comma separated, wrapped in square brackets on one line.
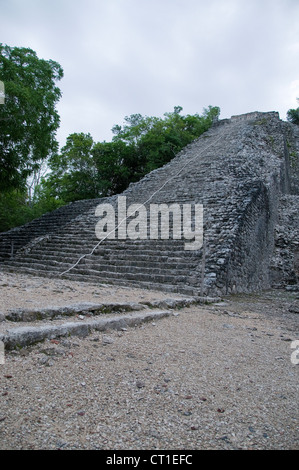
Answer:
[(55, 266), (23, 336), (77, 240), (160, 265), (181, 288), (114, 272), (85, 310), (112, 259), (133, 274), (104, 248), (111, 255), (99, 279), (46, 224)]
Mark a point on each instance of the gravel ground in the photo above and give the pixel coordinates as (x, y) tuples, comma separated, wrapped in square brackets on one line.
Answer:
[(24, 291), (217, 376)]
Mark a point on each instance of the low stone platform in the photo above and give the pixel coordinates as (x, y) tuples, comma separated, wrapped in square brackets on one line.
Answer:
[(72, 308)]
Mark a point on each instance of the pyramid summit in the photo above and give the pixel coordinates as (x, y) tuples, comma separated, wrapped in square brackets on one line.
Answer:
[(235, 189)]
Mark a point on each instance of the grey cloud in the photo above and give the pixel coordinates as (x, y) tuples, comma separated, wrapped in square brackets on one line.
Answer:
[(140, 56)]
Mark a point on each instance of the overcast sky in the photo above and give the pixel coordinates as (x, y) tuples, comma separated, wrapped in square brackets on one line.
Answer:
[(122, 57)]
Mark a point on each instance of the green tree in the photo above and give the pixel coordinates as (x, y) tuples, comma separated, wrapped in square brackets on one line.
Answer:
[(85, 169), (293, 115), (14, 209), (117, 166), (135, 127), (73, 172), (157, 140), (28, 118)]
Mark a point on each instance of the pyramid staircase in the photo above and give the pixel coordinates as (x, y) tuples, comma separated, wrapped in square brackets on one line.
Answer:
[(237, 170)]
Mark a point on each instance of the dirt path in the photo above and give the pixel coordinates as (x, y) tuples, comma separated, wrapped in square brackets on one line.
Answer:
[(218, 376)]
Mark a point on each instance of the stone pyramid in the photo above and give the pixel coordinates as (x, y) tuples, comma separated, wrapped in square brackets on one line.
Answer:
[(242, 172)]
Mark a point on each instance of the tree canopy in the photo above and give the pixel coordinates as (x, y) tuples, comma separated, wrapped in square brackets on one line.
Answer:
[(87, 169), (28, 118), (293, 115), (83, 168)]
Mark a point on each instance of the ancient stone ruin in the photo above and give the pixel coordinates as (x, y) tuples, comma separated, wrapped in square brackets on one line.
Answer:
[(244, 171)]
